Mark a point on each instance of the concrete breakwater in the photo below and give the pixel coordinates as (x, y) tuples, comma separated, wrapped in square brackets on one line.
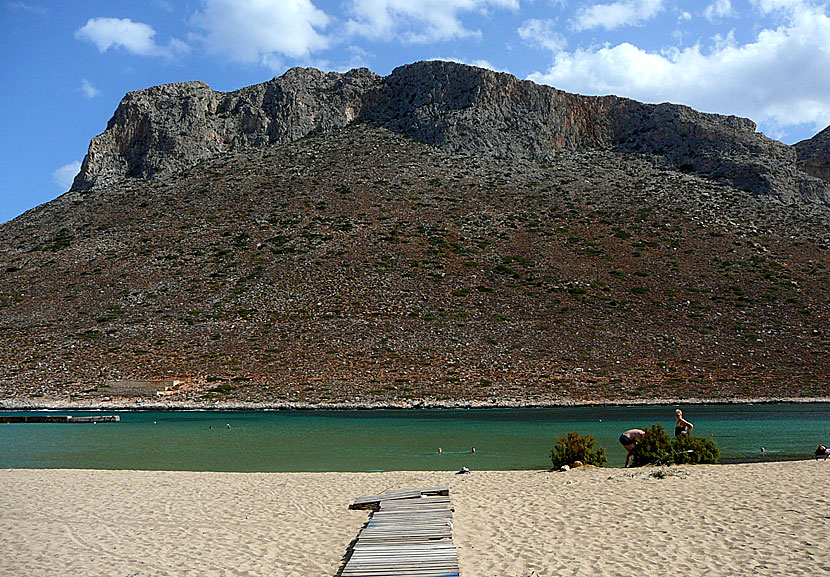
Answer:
[(59, 419)]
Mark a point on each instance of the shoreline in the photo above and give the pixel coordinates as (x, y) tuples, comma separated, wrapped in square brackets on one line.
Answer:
[(154, 405)]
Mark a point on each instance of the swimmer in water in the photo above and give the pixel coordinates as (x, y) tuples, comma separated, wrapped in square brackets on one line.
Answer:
[(682, 426)]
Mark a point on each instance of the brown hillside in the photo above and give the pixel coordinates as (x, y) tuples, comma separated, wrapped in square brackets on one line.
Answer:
[(361, 266)]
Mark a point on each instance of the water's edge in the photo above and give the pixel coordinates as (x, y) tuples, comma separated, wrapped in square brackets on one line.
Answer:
[(33, 404)]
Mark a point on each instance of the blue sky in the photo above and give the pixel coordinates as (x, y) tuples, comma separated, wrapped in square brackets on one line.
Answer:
[(67, 63)]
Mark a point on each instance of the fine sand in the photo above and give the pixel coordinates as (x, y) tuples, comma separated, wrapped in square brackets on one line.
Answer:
[(752, 519)]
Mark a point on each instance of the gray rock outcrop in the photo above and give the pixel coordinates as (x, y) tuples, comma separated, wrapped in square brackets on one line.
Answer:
[(725, 148), (164, 129), (814, 155), (455, 107)]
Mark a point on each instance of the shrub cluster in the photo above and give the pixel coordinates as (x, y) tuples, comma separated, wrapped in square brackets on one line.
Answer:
[(575, 447), (689, 449), (657, 448)]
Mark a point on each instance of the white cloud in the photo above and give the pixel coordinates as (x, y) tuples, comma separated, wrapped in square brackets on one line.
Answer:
[(418, 21), (31, 8), (779, 79), (616, 14), (354, 57), (719, 9), (542, 33), (88, 89), (134, 37), (64, 176), (262, 31), (768, 6), (163, 5), (481, 63)]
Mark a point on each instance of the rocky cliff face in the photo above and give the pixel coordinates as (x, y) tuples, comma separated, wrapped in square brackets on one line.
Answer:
[(164, 129), (454, 107), (814, 155)]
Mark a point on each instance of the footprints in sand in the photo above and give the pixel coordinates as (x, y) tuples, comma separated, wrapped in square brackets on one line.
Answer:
[(717, 521)]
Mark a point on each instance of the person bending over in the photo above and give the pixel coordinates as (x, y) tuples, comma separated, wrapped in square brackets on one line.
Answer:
[(630, 438)]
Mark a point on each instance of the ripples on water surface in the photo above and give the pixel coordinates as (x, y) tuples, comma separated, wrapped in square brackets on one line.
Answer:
[(363, 440)]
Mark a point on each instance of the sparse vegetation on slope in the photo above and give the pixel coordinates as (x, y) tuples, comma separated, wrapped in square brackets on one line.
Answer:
[(362, 266)]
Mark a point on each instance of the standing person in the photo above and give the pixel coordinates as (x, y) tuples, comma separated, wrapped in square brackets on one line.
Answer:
[(630, 438), (682, 426)]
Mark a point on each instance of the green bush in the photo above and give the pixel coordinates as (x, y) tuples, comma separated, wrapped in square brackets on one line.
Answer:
[(653, 449), (223, 388), (657, 448), (575, 447), (689, 449)]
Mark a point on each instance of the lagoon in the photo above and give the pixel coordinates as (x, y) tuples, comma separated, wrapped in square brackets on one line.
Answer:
[(394, 439)]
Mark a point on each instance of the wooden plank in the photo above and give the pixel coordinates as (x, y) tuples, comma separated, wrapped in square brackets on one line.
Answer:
[(364, 557), (401, 568), (422, 534), (414, 527), (438, 546), (403, 513), (411, 528), (426, 497), (406, 549), (420, 558), (409, 560), (373, 500), (391, 559), (422, 503), (368, 554), (396, 572), (421, 526), (416, 504), (435, 545), (404, 537), (414, 572), (410, 513), (409, 521), (397, 563)]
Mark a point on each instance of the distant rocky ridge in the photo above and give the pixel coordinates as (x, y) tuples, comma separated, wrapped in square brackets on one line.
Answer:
[(457, 108)]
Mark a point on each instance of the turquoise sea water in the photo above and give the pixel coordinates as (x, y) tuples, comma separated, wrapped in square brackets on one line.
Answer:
[(364, 440)]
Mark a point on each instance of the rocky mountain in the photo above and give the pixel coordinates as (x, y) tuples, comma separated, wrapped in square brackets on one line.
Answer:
[(457, 108), (445, 235)]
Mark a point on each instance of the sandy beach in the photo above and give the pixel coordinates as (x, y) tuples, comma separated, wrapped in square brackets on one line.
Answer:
[(749, 519)]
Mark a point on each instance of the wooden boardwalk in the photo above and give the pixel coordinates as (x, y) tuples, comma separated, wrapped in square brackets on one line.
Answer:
[(408, 535)]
